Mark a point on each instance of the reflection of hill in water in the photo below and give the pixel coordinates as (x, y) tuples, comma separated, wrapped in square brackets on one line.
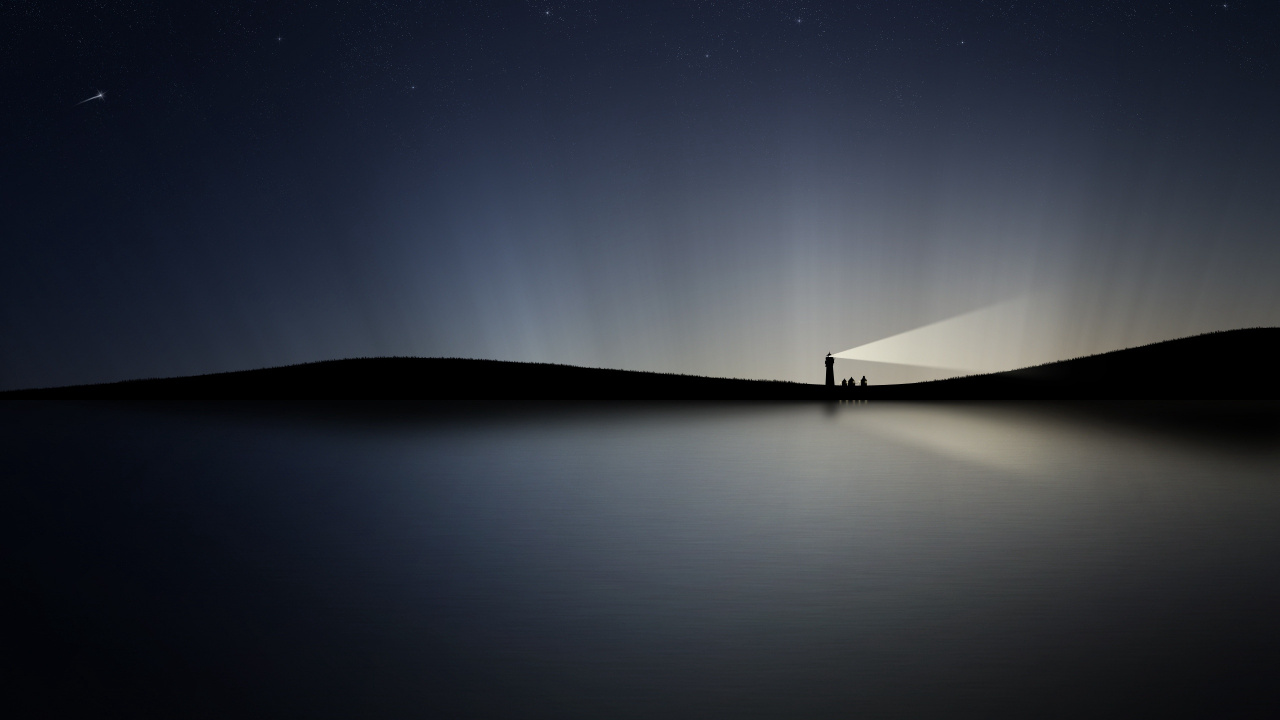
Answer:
[(1236, 364)]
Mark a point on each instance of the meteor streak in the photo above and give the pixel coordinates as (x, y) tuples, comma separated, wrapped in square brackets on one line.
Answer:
[(100, 96)]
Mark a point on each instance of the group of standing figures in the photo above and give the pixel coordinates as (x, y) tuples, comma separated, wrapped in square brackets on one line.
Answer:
[(853, 383)]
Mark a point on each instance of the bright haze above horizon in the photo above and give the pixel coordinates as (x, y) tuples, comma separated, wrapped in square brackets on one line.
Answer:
[(718, 188)]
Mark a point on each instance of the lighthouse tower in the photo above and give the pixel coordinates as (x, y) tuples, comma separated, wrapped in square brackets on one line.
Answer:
[(831, 371)]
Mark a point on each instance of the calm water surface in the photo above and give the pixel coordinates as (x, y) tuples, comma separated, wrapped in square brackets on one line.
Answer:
[(789, 561)]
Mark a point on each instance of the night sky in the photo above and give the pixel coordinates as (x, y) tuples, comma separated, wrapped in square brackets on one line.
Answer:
[(720, 188)]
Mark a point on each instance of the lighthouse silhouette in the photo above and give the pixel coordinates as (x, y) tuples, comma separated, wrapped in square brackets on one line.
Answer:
[(831, 371)]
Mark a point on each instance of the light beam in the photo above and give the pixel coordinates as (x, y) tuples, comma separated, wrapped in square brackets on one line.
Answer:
[(988, 339)]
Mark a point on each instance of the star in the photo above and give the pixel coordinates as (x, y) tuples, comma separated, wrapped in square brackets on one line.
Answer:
[(278, 38)]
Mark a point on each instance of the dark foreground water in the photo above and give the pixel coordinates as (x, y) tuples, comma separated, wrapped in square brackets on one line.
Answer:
[(705, 561)]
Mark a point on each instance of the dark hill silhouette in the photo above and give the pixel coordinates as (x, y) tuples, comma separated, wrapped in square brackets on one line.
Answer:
[(1235, 364), (397, 378)]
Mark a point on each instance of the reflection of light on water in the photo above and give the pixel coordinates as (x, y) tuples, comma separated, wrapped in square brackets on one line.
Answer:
[(622, 555), (1016, 440)]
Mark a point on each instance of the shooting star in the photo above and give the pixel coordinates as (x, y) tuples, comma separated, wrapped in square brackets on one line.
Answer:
[(100, 96)]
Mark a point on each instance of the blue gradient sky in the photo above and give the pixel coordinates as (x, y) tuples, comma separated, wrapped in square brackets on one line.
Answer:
[(713, 188)]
